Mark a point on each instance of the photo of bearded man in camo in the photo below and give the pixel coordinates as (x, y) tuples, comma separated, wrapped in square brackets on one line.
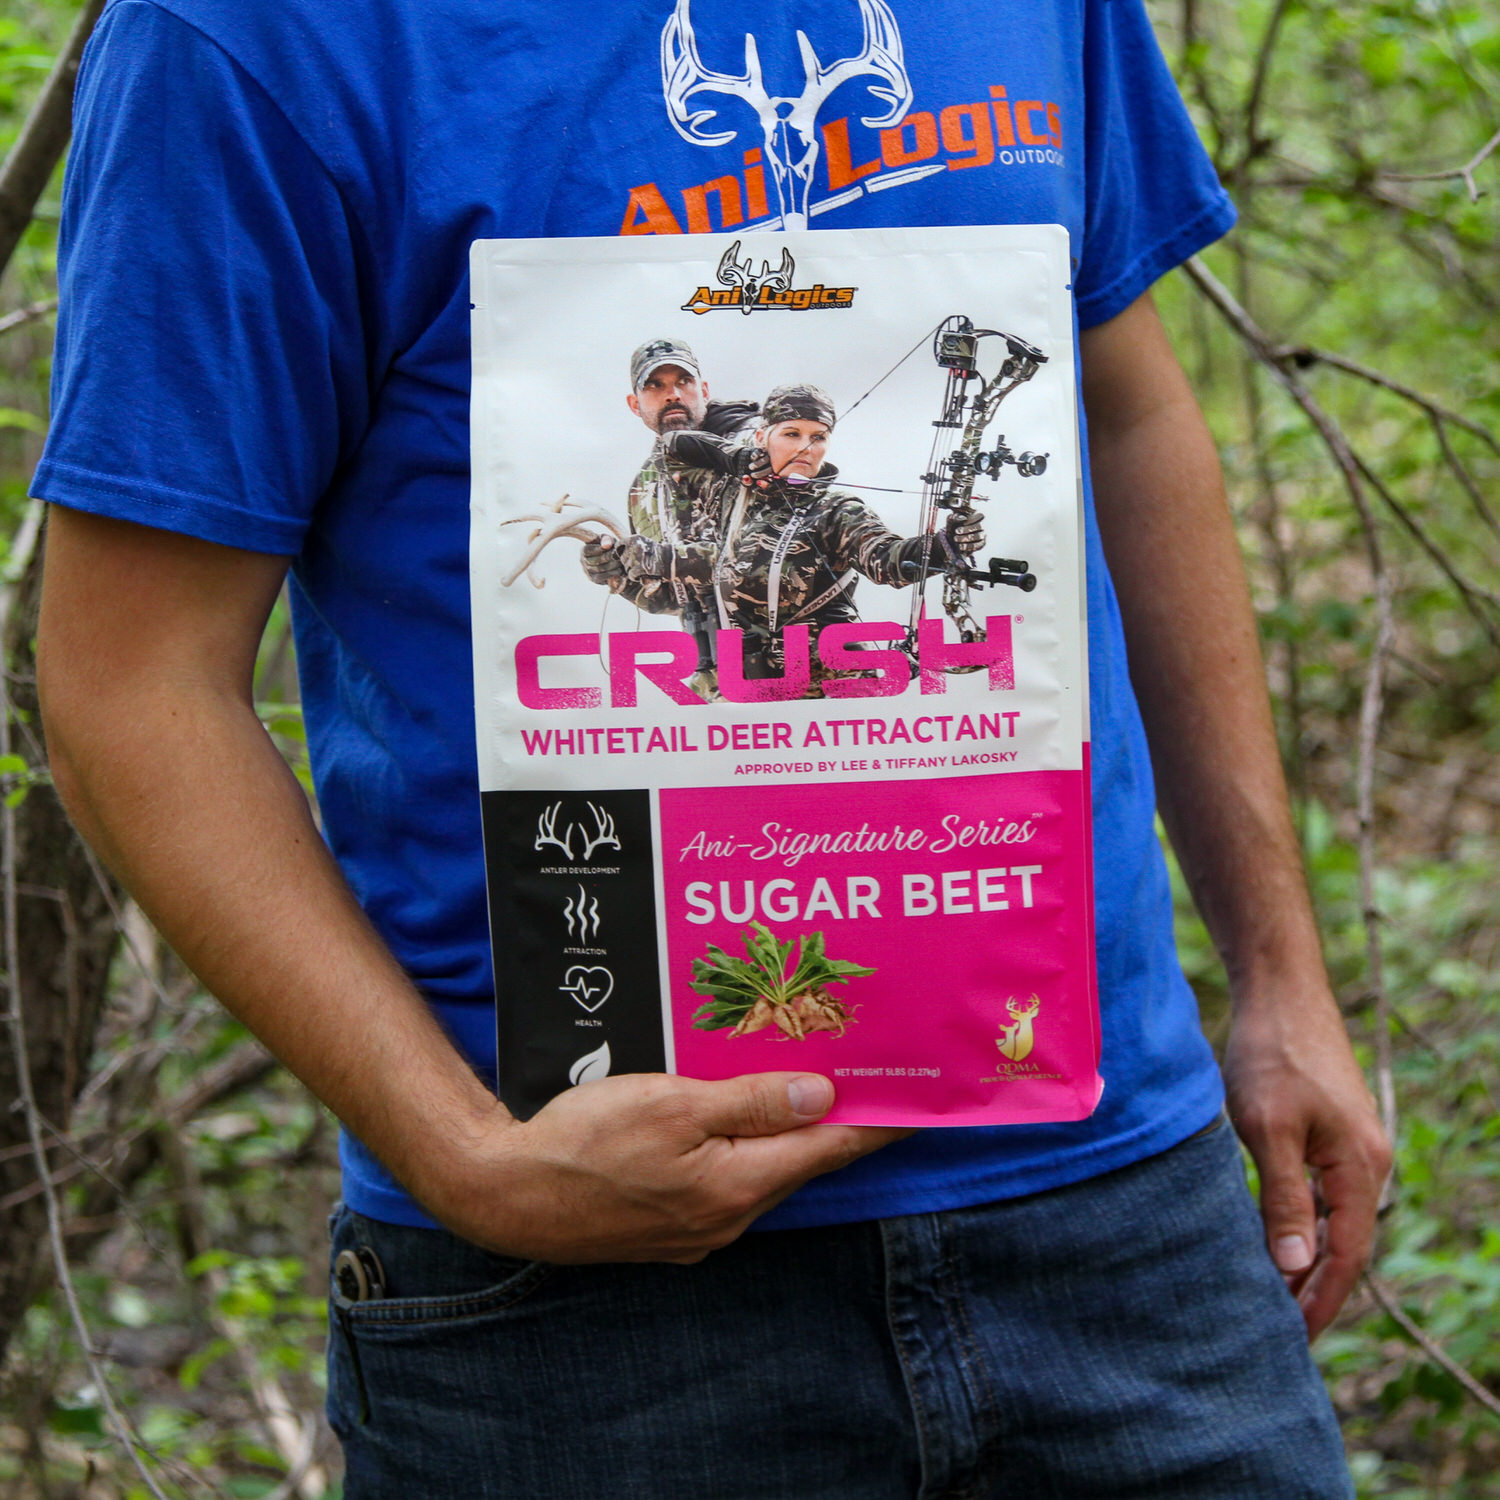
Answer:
[(789, 547)]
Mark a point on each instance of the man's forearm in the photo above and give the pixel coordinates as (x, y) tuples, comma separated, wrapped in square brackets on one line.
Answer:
[(1197, 672), (183, 778), (1295, 1093)]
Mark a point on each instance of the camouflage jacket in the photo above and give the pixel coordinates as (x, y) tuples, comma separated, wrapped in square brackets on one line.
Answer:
[(675, 505), (788, 555)]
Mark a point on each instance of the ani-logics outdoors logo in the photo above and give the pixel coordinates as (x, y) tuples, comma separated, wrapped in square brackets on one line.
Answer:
[(764, 290)]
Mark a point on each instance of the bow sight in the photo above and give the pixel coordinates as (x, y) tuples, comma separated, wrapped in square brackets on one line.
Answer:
[(970, 402)]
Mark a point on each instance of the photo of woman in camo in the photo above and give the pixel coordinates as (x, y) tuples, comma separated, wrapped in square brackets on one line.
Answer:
[(790, 546)]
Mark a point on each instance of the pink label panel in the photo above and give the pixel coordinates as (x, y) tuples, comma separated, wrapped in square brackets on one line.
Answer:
[(966, 898)]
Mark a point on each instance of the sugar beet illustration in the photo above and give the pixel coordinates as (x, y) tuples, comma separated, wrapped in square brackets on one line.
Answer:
[(768, 989)]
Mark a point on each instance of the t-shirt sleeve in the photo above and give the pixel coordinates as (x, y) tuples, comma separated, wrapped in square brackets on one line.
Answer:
[(210, 370), (1152, 195)]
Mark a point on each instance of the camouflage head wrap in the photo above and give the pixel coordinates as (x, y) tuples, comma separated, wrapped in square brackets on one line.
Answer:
[(789, 403)]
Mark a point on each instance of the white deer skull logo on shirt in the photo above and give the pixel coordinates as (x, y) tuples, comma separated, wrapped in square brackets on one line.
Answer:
[(788, 125)]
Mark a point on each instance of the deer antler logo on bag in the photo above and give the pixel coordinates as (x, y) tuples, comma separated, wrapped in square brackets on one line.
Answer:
[(1016, 1040), (769, 289)]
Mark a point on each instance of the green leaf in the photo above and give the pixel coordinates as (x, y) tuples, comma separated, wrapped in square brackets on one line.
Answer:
[(77, 1421), (195, 1364)]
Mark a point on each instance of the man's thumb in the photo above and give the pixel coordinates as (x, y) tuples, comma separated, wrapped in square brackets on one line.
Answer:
[(767, 1103), (1286, 1205)]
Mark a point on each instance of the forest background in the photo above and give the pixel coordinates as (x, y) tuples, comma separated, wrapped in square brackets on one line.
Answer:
[(1344, 342)]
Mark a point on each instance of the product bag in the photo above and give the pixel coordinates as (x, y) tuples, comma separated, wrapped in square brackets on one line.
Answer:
[(787, 775)]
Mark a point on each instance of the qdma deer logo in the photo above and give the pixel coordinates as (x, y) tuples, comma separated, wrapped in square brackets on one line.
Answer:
[(1016, 1040), (601, 836), (788, 123)]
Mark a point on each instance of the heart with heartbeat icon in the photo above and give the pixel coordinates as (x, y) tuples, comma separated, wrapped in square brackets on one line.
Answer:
[(590, 987)]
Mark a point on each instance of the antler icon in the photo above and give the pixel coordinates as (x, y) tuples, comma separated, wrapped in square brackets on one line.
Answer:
[(788, 125), (603, 835), (546, 832), (733, 272)]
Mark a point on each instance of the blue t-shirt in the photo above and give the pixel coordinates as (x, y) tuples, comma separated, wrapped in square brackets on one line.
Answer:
[(264, 342)]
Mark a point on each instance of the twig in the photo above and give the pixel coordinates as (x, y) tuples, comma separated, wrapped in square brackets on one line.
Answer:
[(123, 1428), (1466, 172), (27, 314), (278, 1417), (43, 138), (295, 1481), (1372, 702), (1429, 1345), (1474, 598), (247, 1064), (1372, 698), (139, 1225), (1461, 473), (1253, 145), (1303, 356)]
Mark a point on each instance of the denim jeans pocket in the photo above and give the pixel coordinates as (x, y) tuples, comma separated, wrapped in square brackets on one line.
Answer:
[(407, 1312), (430, 1276), (438, 1292)]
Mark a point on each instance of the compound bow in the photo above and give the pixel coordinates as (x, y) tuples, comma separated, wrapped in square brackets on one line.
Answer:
[(948, 484)]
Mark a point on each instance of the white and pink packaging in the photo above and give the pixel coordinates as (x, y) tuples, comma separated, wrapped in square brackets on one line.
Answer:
[(875, 864)]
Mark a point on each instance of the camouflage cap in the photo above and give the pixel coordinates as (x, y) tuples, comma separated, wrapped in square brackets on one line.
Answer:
[(655, 353), (787, 403)]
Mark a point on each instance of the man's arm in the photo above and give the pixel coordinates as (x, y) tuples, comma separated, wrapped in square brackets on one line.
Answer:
[(145, 655), (1296, 1095)]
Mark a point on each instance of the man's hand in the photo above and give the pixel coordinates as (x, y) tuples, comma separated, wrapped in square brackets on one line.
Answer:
[(966, 530), (602, 562), (1299, 1103), (1296, 1095), (646, 1166)]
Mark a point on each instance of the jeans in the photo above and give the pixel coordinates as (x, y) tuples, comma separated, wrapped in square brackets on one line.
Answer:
[(1124, 1337)]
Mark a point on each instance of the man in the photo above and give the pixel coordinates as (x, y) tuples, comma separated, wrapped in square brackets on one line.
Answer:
[(669, 395), (263, 364)]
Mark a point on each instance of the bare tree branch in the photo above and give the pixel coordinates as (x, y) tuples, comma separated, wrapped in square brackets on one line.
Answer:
[(287, 1433), (120, 1423), (43, 138), (239, 1069), (1466, 172), (1303, 356), (1371, 705), (1254, 146), (1474, 599), (28, 314), (1465, 478), (1429, 1345)]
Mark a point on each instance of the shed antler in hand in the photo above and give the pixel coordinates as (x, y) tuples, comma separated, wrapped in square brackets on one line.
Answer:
[(550, 523)]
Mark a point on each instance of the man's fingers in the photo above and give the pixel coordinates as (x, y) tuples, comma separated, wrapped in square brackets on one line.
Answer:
[(1286, 1201), (762, 1103), (1351, 1190), (768, 1168)]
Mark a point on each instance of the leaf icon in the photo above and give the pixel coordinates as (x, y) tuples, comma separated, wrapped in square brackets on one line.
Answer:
[(590, 1066)]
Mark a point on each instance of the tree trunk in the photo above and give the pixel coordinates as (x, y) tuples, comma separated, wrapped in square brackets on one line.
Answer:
[(67, 936)]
